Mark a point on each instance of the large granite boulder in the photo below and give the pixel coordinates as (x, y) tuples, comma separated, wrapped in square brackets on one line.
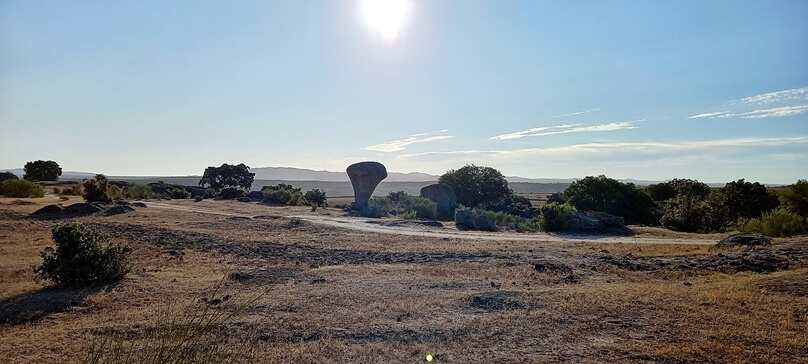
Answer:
[(365, 176), (609, 221), (82, 208), (747, 239), (48, 210), (441, 193), (464, 219), (581, 223), (484, 223)]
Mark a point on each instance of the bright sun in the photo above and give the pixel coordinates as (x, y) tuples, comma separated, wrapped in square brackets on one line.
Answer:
[(386, 16)]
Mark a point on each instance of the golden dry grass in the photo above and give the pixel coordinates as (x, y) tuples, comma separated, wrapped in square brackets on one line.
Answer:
[(329, 295)]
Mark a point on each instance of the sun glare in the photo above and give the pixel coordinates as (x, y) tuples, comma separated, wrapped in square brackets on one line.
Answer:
[(386, 17)]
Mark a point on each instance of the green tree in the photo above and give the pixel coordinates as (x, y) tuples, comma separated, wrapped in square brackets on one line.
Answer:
[(688, 213), (614, 197), (228, 175), (8, 176), (667, 190), (795, 198), (97, 189), (315, 198), (42, 171), (740, 200), (477, 186)]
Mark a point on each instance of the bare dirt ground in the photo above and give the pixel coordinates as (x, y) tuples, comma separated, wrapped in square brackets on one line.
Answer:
[(328, 288)]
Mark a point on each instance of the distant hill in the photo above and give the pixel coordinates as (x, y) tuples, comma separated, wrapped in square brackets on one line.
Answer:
[(300, 174)]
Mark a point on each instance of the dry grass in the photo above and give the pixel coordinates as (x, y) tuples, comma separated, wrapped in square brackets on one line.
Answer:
[(329, 295)]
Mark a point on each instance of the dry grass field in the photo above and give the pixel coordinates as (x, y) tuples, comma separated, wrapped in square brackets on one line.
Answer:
[(285, 290)]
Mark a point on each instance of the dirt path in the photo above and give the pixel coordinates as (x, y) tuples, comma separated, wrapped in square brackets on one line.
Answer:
[(397, 228)]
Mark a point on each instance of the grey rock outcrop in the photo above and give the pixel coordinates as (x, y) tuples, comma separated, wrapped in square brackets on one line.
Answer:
[(464, 219), (609, 221), (120, 209), (365, 176), (244, 199), (82, 208), (582, 223), (48, 210), (747, 239), (484, 223), (441, 193)]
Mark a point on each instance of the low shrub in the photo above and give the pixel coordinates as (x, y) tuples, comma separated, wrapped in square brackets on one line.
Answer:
[(424, 208), (57, 190), (177, 193), (83, 256), (21, 188), (211, 193), (502, 219), (554, 217), (139, 192), (315, 198), (283, 194), (778, 223), (114, 192), (95, 190), (75, 190)]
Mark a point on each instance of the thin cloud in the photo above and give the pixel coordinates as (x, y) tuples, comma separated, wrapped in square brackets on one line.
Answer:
[(571, 151), (779, 96), (576, 113), (711, 115), (775, 112), (399, 145), (567, 128)]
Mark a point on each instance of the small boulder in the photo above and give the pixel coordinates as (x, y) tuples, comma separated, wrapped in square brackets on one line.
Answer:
[(83, 208), (48, 210), (484, 223), (255, 195), (122, 202), (747, 239), (139, 204), (120, 209), (582, 223), (244, 199), (464, 219), (365, 176), (198, 198)]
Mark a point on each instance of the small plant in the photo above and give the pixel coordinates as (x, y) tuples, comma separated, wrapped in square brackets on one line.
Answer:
[(424, 208), (315, 198), (114, 192), (554, 217), (75, 190), (21, 189), (83, 256), (283, 194), (410, 215), (57, 190), (778, 223), (140, 192), (178, 193), (502, 219), (95, 190)]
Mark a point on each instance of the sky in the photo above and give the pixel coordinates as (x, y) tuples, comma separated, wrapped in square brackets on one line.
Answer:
[(654, 90)]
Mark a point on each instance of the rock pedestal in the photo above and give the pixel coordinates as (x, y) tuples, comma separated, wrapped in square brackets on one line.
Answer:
[(365, 176)]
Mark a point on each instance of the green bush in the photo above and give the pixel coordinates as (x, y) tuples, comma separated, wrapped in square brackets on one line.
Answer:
[(211, 193), (283, 194), (777, 223), (83, 256), (114, 192), (614, 197), (424, 208), (687, 213), (176, 193), (502, 219), (75, 190), (231, 192), (795, 198), (554, 217), (315, 198), (21, 189), (139, 192), (95, 190)]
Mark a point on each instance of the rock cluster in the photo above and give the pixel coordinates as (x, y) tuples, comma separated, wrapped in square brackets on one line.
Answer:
[(465, 220)]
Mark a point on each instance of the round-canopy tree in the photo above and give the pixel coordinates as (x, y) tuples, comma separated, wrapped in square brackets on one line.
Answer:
[(614, 197), (477, 186), (228, 175), (42, 171)]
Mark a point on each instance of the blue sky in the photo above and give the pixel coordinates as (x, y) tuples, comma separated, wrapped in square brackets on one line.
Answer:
[(714, 90)]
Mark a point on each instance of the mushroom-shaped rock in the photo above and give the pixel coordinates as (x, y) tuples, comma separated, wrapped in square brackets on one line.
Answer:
[(365, 176), (441, 193)]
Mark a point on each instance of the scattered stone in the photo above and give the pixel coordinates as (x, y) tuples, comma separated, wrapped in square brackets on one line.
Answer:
[(244, 199), (122, 209), (139, 204), (747, 239), (84, 208), (547, 266), (365, 176), (441, 193), (484, 223), (48, 210), (496, 300), (464, 219), (198, 198)]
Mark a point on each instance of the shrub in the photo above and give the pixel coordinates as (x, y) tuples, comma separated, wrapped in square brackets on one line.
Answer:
[(687, 213), (315, 198), (382, 203), (554, 217), (283, 194), (57, 190), (211, 193), (42, 171), (777, 223), (21, 189), (95, 189), (502, 219), (795, 198), (83, 256), (614, 197), (477, 186), (75, 190), (140, 192), (114, 192), (232, 192), (424, 208), (177, 193), (7, 175), (740, 200)]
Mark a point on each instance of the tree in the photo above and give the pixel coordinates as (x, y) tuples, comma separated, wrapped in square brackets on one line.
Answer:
[(8, 175), (316, 198), (740, 199), (42, 171), (667, 190), (795, 198), (228, 175), (614, 197), (477, 186), (97, 189), (687, 212)]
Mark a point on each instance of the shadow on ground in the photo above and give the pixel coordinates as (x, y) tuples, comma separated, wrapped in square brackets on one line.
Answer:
[(33, 306)]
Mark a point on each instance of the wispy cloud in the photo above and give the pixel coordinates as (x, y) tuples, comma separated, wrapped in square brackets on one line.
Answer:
[(576, 113), (566, 128), (779, 96), (775, 112), (399, 145), (571, 151), (711, 115)]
